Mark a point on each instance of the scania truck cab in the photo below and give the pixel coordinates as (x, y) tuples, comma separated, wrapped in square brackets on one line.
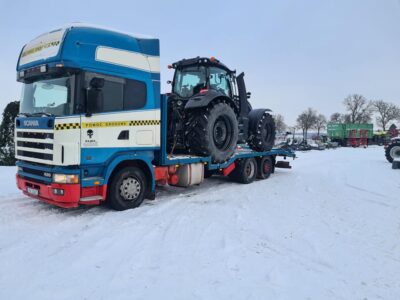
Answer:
[(93, 124), (91, 98)]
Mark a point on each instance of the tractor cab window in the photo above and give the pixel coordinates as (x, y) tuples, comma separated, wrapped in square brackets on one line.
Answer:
[(189, 81), (220, 80)]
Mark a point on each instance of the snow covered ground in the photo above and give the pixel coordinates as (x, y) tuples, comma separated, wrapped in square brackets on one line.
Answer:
[(327, 229)]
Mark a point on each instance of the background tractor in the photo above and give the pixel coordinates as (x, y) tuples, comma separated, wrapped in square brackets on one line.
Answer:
[(209, 113), (392, 152)]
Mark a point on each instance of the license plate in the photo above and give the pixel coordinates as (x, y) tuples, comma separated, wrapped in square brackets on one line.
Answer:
[(32, 191)]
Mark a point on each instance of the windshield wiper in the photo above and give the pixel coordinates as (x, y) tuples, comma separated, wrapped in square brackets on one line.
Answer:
[(42, 113), (24, 114)]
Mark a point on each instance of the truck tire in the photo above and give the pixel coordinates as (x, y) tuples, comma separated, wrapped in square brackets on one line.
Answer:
[(392, 152), (261, 130), (265, 167), (127, 189), (245, 171), (212, 131)]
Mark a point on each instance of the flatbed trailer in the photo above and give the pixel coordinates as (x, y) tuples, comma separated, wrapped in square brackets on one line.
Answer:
[(164, 160), (243, 151)]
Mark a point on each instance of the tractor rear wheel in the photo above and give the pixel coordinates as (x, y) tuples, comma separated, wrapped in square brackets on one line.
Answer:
[(212, 131), (261, 130), (392, 152)]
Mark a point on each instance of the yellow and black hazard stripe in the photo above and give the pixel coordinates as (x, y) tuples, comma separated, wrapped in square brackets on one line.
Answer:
[(66, 126), (144, 122), (121, 123)]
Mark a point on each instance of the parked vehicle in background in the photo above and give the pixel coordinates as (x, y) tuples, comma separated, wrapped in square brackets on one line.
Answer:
[(392, 151), (350, 134)]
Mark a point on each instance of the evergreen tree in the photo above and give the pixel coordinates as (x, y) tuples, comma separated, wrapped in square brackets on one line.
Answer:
[(7, 147)]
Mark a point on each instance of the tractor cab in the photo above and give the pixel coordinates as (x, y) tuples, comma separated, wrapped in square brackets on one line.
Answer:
[(198, 75)]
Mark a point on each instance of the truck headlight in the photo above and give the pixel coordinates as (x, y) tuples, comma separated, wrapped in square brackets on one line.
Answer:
[(65, 178)]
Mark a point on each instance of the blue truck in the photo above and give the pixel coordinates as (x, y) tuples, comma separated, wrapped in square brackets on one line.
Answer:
[(94, 127)]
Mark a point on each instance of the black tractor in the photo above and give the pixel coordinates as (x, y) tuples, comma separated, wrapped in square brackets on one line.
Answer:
[(209, 113)]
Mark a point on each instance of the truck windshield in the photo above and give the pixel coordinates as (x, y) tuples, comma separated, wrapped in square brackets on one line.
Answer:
[(50, 96), (189, 81)]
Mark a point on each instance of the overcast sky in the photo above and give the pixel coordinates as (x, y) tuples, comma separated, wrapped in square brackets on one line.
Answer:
[(296, 54)]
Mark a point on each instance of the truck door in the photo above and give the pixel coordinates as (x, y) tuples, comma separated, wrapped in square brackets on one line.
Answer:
[(118, 120)]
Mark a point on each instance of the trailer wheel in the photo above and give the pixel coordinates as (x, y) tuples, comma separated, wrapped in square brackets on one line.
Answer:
[(392, 152), (208, 173), (245, 171), (212, 131), (264, 167), (127, 188)]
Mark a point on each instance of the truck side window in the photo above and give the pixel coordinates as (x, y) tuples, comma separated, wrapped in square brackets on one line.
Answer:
[(119, 93), (112, 96), (135, 94)]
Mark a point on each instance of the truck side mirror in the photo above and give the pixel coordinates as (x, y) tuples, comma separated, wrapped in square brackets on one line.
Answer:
[(97, 83), (94, 95)]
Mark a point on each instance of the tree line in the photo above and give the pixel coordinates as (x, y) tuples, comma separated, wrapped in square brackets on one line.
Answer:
[(7, 148), (357, 110)]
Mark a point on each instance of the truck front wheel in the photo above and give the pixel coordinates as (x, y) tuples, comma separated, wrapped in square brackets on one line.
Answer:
[(127, 188)]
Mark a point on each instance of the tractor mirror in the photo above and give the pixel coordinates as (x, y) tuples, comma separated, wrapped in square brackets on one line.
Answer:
[(169, 81)]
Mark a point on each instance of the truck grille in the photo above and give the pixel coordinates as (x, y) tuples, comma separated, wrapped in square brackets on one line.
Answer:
[(35, 135), (34, 146), (35, 155)]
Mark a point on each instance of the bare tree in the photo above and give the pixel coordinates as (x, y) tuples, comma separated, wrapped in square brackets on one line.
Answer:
[(280, 123), (386, 112), (336, 118), (306, 120), (359, 109), (320, 123)]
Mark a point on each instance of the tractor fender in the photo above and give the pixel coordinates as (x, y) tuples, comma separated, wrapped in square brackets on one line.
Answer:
[(204, 99)]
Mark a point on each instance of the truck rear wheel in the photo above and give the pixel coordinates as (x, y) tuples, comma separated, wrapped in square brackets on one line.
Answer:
[(264, 167), (261, 130), (392, 152), (245, 171), (212, 131), (127, 188)]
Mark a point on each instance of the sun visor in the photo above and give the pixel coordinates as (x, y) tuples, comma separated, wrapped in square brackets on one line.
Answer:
[(42, 48)]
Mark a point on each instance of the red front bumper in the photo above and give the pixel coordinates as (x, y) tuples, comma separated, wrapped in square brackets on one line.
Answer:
[(71, 197)]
